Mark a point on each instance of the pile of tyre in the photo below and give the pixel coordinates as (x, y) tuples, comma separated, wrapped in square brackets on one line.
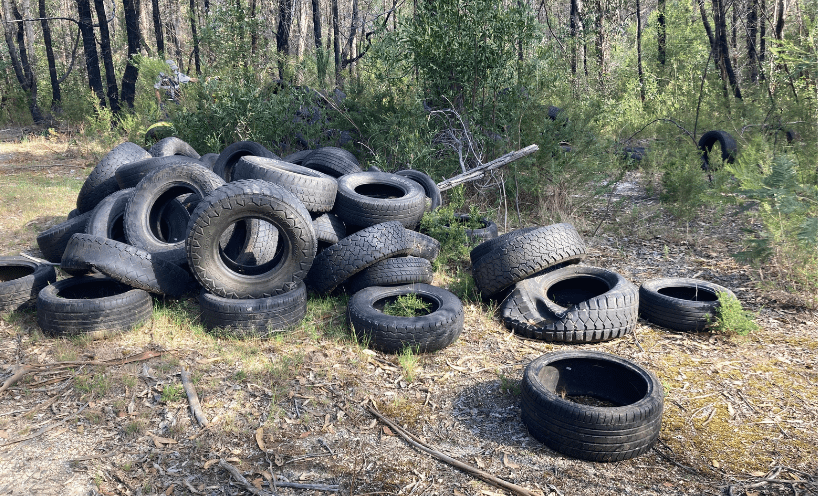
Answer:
[(250, 231), (545, 293)]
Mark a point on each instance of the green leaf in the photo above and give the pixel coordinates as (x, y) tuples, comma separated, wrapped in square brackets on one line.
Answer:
[(808, 232)]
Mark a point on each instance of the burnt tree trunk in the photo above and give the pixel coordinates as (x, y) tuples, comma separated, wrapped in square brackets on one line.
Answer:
[(195, 36), (253, 32), (89, 48), (107, 57), (639, 70), (762, 39), (661, 35), (336, 41), (720, 22), (285, 19), (713, 48), (575, 30), (752, 37), (20, 58), (56, 95), (157, 29), (134, 33)]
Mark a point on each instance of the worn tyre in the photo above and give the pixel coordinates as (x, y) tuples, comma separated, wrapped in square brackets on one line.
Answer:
[(256, 317), (356, 252), (21, 280), (369, 198), (94, 306), (172, 145), (490, 245), (524, 256), (102, 180), (679, 303), (727, 143), (129, 175), (394, 271), (423, 334), (332, 161), (239, 201), (423, 246), (315, 189), (487, 231), (625, 430), (209, 159), (108, 218), (152, 195), (297, 158), (428, 184), (575, 304), (126, 264), (231, 155), (329, 228), (52, 241)]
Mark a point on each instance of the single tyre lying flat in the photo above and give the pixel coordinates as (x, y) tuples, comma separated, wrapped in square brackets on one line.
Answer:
[(575, 304), (21, 280), (91, 305), (256, 317), (681, 304), (524, 256), (390, 334), (369, 198), (241, 201), (316, 190), (127, 264), (395, 271), (487, 231), (558, 387), (332, 161)]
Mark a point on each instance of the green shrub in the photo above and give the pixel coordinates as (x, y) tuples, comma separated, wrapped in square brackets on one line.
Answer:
[(731, 318), (409, 305)]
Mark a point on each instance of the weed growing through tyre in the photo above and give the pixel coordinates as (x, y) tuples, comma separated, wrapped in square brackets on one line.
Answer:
[(731, 318), (408, 360), (410, 305), (444, 226)]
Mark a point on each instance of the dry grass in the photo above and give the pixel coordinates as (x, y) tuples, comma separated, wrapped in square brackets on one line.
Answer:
[(736, 409)]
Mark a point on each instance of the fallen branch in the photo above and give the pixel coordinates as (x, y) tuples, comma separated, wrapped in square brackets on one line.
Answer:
[(417, 443), (18, 372), (240, 478), (44, 429), (314, 487), (478, 172), (193, 398)]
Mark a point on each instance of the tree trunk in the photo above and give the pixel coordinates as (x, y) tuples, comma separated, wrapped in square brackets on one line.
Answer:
[(285, 19), (157, 29), (19, 58), (639, 70), (253, 31), (195, 37), (575, 27), (719, 20), (336, 41), (89, 48), (600, 43), (713, 48), (56, 95), (107, 58), (762, 40), (353, 34), (302, 31), (662, 32), (134, 36), (752, 36)]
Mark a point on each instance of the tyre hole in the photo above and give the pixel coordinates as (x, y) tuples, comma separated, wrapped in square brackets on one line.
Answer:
[(12, 273), (168, 218), (93, 289), (380, 191), (696, 293), (585, 380), (575, 290), (251, 247), (404, 306)]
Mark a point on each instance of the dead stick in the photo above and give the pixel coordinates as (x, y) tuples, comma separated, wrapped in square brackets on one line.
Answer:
[(44, 429), (417, 443), (240, 478), (314, 487), (193, 398), (19, 372), (478, 172)]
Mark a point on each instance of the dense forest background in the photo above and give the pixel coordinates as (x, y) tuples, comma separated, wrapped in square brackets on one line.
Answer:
[(604, 87)]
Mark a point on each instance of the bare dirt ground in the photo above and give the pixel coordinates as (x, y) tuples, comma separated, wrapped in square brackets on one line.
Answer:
[(741, 414)]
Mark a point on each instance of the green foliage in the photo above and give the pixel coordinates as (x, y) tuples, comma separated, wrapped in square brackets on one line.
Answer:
[(444, 226), (464, 287), (409, 305), (408, 360), (171, 393), (731, 318)]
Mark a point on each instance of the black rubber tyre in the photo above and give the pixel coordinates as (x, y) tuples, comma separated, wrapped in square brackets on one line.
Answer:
[(344, 259), (394, 271), (52, 241), (242, 200), (151, 197), (21, 280), (172, 145), (428, 184), (728, 148), (594, 433), (575, 304), (315, 189), (679, 303), (329, 228), (209, 159), (369, 198), (129, 175), (102, 180), (527, 255), (332, 161), (231, 155), (389, 334), (91, 305), (108, 218), (127, 264), (257, 317), (72, 214), (297, 158), (487, 246), (423, 246), (479, 235)]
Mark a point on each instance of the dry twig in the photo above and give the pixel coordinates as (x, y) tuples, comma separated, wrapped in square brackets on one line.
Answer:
[(193, 398)]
